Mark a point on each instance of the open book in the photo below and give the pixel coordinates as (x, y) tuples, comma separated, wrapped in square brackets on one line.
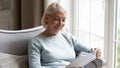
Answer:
[(82, 59)]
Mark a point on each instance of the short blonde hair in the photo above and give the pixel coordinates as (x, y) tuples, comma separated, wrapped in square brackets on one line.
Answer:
[(50, 10)]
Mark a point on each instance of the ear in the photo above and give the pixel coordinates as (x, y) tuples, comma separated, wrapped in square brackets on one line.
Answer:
[(46, 17)]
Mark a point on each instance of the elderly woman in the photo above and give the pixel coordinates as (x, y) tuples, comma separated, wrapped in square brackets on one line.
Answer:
[(54, 48)]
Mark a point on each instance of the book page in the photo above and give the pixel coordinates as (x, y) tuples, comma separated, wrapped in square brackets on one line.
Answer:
[(82, 59)]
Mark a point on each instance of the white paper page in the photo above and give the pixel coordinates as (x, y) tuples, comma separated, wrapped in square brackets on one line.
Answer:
[(82, 59)]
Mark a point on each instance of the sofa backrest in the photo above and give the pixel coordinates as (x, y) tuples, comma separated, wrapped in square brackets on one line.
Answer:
[(16, 42)]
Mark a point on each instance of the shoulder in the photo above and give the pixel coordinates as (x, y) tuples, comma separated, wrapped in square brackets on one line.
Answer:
[(35, 43), (36, 39), (68, 35)]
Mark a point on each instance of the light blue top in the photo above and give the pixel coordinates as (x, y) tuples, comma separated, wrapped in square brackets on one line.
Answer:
[(54, 51)]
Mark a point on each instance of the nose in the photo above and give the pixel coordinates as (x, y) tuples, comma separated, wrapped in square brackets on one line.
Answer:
[(61, 22)]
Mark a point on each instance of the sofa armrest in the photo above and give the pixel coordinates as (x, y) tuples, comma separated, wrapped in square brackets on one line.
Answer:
[(97, 63)]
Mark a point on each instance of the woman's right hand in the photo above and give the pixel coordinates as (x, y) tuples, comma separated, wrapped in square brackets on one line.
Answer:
[(97, 52)]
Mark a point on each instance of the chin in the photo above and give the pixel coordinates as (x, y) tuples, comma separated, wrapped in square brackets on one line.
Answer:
[(56, 32)]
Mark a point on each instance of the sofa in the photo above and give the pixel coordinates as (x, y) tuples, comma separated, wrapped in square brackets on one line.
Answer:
[(14, 44)]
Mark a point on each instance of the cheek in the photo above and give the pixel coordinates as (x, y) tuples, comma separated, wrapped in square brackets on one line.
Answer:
[(52, 23), (63, 25), (55, 22)]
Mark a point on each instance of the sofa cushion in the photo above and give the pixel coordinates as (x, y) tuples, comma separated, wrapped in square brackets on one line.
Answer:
[(13, 61)]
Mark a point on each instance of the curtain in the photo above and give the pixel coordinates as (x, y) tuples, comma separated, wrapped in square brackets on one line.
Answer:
[(31, 13)]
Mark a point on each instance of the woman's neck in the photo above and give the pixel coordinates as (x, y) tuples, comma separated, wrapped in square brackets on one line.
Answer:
[(49, 33)]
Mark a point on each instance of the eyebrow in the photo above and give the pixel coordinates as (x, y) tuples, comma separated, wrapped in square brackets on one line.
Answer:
[(58, 16)]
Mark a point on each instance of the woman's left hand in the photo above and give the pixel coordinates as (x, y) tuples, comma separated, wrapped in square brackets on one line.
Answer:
[(97, 51)]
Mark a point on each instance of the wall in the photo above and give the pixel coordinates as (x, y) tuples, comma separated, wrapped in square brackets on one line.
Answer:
[(8, 14)]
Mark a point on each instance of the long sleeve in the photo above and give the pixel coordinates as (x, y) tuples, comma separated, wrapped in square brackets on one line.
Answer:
[(53, 52), (34, 54), (78, 46)]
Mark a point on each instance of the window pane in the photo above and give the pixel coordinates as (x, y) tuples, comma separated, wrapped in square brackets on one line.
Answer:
[(97, 17), (118, 35), (91, 22), (84, 15)]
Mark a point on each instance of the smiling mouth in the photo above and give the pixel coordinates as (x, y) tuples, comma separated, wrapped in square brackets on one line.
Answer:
[(58, 27)]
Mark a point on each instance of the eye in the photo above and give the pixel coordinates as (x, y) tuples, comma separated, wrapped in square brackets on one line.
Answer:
[(63, 20), (57, 19)]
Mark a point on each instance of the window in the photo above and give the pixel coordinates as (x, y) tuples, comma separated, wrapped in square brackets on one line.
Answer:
[(90, 22), (118, 35), (97, 24)]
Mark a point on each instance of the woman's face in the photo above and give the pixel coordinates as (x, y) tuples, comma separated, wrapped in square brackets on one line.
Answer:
[(56, 21)]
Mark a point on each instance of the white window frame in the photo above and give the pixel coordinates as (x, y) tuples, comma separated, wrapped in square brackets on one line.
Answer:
[(109, 45)]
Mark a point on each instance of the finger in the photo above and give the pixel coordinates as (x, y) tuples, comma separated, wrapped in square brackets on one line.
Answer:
[(95, 49), (98, 51), (98, 56), (92, 49)]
